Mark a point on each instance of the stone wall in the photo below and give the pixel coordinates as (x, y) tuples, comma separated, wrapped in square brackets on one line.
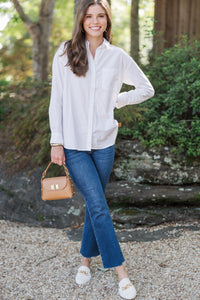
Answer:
[(143, 184), (161, 167)]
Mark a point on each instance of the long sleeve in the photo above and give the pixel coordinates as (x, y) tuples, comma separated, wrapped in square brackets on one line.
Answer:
[(133, 75), (56, 101)]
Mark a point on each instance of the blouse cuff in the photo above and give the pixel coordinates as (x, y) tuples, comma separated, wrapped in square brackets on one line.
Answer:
[(122, 100), (56, 138)]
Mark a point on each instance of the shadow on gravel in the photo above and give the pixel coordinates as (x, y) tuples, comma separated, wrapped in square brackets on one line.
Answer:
[(140, 235)]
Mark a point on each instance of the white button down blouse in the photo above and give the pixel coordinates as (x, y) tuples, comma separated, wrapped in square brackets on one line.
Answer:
[(81, 110)]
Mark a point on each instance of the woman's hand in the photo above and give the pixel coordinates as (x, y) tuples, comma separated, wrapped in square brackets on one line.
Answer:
[(57, 155)]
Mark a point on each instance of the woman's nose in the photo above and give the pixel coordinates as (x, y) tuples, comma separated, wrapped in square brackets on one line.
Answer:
[(95, 20)]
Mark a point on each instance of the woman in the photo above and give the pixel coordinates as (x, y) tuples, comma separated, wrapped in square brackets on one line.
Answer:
[(88, 73)]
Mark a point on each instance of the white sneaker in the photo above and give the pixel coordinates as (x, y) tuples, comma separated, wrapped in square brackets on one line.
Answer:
[(83, 275), (126, 289)]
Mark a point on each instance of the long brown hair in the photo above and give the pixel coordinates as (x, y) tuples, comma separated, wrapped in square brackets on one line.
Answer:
[(76, 47)]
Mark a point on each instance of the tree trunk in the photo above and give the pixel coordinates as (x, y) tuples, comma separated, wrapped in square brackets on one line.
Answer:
[(40, 32), (135, 30), (175, 18)]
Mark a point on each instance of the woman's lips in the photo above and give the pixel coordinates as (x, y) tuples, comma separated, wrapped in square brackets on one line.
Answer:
[(95, 28)]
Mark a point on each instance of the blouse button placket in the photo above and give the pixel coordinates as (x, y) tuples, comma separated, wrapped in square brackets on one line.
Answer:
[(91, 100)]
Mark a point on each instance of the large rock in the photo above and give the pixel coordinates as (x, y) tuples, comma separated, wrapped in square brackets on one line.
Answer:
[(20, 200), (141, 195), (146, 190), (152, 166), (131, 204)]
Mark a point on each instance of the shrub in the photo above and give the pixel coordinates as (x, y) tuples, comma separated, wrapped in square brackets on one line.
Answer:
[(172, 116), (25, 121)]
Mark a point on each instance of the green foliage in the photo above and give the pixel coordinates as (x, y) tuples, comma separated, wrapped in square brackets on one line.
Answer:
[(16, 42), (172, 116), (24, 118), (121, 11), (146, 15)]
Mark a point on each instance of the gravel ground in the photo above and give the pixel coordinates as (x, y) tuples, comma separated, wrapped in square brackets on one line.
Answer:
[(40, 263)]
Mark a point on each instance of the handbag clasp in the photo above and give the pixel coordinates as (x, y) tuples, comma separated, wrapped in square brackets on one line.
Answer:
[(54, 187)]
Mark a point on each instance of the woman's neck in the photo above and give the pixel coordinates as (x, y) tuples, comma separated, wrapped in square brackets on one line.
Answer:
[(94, 44)]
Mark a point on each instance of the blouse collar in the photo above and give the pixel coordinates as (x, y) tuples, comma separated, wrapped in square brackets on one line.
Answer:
[(104, 45)]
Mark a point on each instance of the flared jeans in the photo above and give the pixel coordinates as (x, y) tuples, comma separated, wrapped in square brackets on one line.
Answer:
[(90, 171)]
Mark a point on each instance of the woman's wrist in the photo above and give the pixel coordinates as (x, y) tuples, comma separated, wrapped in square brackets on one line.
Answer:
[(56, 145)]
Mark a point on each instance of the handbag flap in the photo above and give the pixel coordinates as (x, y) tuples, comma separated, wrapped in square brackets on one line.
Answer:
[(55, 183)]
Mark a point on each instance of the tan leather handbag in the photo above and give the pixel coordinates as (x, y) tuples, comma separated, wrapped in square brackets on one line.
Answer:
[(56, 188)]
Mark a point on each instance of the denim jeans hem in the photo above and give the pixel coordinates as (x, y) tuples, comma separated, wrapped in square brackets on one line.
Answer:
[(93, 255), (113, 266)]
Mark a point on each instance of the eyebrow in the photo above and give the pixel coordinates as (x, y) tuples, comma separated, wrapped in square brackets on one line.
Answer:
[(97, 14)]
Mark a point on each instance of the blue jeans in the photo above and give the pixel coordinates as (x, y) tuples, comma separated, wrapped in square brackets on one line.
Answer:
[(90, 171)]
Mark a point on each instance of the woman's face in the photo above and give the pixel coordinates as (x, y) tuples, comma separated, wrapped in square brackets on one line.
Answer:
[(95, 22)]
